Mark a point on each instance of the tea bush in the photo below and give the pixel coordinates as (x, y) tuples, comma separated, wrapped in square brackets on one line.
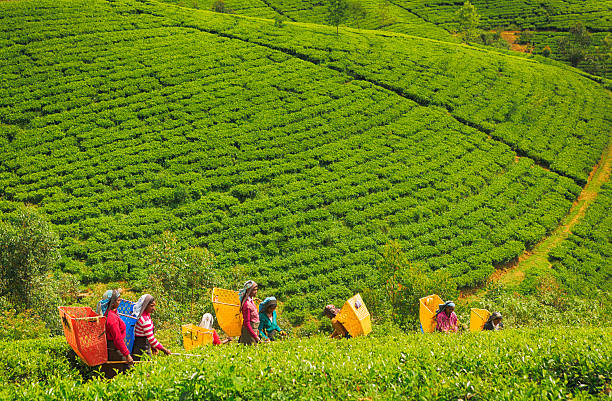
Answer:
[(527, 364), (38, 362)]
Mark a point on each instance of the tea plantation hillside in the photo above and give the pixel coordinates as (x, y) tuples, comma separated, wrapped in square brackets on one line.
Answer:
[(546, 22), (289, 150), (584, 260), (368, 14), (527, 14)]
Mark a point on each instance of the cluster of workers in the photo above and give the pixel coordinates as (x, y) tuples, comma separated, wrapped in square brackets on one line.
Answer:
[(447, 322), (259, 325)]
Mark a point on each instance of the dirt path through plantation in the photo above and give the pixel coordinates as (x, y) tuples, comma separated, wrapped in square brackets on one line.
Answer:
[(538, 256), (513, 273)]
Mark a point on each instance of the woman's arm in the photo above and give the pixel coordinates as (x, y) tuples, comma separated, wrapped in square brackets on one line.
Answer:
[(146, 325), (274, 324), (262, 326), (246, 314)]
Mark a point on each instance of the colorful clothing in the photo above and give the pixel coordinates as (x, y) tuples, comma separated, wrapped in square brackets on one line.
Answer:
[(115, 345), (216, 340), (115, 332), (446, 323), (267, 327), (250, 322), (145, 328)]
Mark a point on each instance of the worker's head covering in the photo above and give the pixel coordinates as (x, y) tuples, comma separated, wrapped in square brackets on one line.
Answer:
[(207, 321), (442, 307), (331, 310), (108, 299), (245, 290), (266, 303), (141, 304), (495, 315)]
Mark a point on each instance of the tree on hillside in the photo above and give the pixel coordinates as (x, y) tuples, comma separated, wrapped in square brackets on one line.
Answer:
[(337, 12), (468, 20), (179, 276), (574, 46), (28, 248), (405, 282)]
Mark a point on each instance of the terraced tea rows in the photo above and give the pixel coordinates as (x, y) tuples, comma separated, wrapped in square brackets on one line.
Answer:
[(547, 14), (512, 99), (285, 150), (584, 259)]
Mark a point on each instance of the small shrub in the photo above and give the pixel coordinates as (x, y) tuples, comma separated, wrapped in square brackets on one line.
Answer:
[(220, 7), (24, 325), (278, 21)]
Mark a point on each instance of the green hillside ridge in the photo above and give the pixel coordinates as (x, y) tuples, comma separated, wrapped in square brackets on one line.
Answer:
[(292, 151), (526, 14), (371, 14), (547, 21)]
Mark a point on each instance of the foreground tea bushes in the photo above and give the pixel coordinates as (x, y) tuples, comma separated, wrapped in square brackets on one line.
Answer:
[(36, 361), (529, 364)]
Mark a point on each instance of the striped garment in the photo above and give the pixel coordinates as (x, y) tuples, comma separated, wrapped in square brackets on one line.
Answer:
[(144, 328)]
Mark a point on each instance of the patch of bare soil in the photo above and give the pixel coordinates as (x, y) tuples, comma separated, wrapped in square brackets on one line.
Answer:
[(512, 38)]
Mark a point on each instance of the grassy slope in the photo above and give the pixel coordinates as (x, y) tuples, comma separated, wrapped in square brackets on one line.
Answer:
[(292, 151), (526, 364)]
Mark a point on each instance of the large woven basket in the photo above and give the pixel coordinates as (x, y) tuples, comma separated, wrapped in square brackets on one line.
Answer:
[(227, 310), (195, 336), (85, 333), (355, 317), (125, 312), (427, 312), (478, 317)]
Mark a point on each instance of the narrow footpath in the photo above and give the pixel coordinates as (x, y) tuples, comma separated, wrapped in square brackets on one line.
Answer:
[(513, 273)]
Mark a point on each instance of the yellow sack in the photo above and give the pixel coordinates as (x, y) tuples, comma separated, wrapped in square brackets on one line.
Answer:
[(227, 310), (355, 317), (478, 317), (427, 312), (195, 336)]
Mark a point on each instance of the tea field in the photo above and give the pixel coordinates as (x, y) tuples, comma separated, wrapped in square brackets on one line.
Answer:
[(288, 150), (583, 260), (542, 15), (527, 364), (547, 21)]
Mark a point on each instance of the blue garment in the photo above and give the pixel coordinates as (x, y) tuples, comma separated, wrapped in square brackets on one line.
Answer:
[(103, 304), (264, 304), (247, 286), (266, 325)]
